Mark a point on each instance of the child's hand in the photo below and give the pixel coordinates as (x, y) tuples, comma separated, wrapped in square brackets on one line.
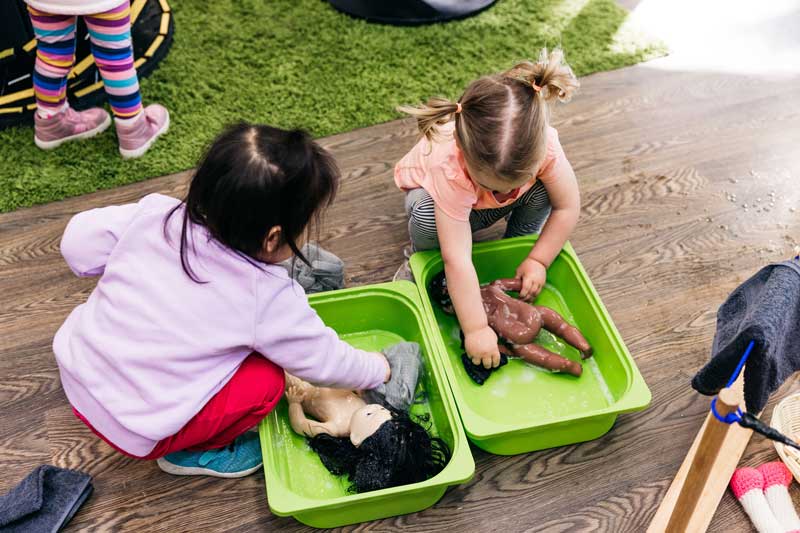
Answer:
[(295, 393), (388, 367), (481, 346), (533, 275)]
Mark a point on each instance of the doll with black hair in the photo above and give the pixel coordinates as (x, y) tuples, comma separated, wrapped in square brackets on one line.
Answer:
[(377, 445)]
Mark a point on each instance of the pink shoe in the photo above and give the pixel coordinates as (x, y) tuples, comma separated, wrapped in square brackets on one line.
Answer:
[(136, 137), (69, 125)]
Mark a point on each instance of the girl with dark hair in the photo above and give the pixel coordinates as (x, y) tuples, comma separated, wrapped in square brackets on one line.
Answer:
[(376, 446), (181, 347)]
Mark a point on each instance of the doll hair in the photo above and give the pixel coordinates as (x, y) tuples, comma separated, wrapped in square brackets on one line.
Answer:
[(500, 120), (251, 178), (400, 452)]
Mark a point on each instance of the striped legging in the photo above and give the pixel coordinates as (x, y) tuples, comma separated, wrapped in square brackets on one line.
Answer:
[(110, 35), (525, 216)]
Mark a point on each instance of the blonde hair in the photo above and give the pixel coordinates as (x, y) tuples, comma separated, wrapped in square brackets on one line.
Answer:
[(500, 120)]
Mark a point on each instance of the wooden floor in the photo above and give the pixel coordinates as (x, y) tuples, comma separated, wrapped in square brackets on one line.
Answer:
[(657, 153)]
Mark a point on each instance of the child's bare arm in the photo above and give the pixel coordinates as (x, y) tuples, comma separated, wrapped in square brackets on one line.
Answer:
[(455, 240), (566, 205), (565, 200)]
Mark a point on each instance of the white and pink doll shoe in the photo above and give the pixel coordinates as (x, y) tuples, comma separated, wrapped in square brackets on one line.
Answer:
[(777, 479), (747, 485)]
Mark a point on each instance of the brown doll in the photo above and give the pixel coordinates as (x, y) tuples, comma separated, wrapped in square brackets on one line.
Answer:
[(518, 323)]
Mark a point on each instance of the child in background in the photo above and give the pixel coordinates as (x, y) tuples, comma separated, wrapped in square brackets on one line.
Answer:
[(182, 346), (488, 156), (108, 22)]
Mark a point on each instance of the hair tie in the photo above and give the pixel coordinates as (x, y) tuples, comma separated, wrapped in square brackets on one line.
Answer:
[(535, 87), (458, 107)]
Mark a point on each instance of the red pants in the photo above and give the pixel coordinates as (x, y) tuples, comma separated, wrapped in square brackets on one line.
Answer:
[(252, 392)]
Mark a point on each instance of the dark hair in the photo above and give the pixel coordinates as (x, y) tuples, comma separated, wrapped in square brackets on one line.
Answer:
[(251, 178), (400, 452)]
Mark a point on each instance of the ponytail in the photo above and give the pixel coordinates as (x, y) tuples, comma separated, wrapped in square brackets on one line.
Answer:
[(437, 112), (501, 120), (551, 77)]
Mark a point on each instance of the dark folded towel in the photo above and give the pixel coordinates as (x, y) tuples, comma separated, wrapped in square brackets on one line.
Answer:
[(44, 501), (405, 360), (766, 310), (326, 272), (478, 373)]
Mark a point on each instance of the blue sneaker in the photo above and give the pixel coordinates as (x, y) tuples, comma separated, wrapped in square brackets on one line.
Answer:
[(240, 458)]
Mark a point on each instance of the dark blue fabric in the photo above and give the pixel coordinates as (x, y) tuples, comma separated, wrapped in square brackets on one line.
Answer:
[(44, 501), (766, 310)]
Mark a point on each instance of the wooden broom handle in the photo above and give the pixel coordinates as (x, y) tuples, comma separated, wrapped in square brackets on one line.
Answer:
[(708, 450)]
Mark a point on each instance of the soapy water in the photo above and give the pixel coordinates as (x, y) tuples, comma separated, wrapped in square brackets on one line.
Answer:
[(601, 382), (528, 374), (499, 386)]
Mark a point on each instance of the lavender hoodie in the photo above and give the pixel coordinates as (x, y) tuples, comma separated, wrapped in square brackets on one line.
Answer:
[(150, 346)]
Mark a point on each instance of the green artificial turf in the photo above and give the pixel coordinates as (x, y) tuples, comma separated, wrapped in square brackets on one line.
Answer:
[(301, 63)]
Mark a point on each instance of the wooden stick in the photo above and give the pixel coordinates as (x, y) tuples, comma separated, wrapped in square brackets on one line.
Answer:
[(700, 483)]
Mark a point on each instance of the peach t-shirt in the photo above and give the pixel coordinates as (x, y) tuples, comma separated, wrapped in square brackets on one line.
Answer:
[(435, 167)]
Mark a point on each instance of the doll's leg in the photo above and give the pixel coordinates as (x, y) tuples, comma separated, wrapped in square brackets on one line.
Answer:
[(555, 324), (529, 212), (544, 358)]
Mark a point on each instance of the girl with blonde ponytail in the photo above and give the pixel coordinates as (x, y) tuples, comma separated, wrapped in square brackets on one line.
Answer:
[(490, 155)]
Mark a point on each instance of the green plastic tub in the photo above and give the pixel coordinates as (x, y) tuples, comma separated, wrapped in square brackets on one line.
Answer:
[(298, 485), (523, 408)]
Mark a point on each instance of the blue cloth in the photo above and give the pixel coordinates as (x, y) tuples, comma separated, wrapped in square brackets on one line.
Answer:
[(326, 272), (44, 501), (405, 360), (766, 310)]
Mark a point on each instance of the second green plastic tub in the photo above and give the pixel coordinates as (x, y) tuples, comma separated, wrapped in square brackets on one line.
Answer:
[(298, 485), (522, 408)]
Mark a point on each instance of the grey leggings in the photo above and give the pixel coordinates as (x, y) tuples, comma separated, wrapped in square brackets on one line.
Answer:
[(525, 216)]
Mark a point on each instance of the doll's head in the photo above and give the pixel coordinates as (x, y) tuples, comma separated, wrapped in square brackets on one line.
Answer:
[(400, 451), (437, 290)]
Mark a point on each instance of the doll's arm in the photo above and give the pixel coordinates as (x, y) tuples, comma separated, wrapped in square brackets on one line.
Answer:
[(555, 324), (297, 391), (304, 426), (508, 284)]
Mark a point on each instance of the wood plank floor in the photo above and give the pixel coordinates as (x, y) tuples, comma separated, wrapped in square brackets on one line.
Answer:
[(657, 152)]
